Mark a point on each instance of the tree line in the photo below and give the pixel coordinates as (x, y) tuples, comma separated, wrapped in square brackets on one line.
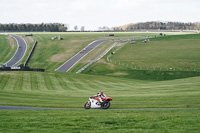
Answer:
[(50, 27), (154, 25)]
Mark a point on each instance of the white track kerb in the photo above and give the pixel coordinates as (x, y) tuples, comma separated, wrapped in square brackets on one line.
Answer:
[(24, 52), (73, 56), (83, 56), (79, 58), (17, 50)]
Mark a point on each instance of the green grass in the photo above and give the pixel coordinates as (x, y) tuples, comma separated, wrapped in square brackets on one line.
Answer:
[(6, 50), (172, 51), (67, 90), (88, 121), (162, 58), (70, 90), (59, 89), (29, 48), (52, 54), (92, 55)]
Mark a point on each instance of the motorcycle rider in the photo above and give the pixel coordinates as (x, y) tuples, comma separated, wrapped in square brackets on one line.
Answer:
[(100, 95)]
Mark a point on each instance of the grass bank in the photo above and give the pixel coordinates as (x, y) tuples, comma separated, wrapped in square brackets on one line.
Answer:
[(50, 54), (59, 89), (162, 58), (8, 47)]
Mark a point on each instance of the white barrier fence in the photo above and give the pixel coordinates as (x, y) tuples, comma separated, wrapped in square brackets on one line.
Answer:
[(96, 59), (134, 67)]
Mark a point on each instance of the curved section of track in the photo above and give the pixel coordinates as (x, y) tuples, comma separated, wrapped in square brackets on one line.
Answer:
[(71, 62), (21, 50)]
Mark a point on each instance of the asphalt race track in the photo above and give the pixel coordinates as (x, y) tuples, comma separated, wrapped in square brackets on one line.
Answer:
[(71, 62), (21, 50)]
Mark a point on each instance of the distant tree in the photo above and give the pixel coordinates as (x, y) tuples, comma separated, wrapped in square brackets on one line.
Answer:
[(75, 27), (67, 26), (82, 28), (197, 25), (62, 28), (106, 28), (159, 25)]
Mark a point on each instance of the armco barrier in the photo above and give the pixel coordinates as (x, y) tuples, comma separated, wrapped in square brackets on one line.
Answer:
[(22, 69), (32, 50)]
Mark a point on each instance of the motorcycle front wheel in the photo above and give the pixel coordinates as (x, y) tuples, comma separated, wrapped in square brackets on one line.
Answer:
[(87, 105), (105, 105)]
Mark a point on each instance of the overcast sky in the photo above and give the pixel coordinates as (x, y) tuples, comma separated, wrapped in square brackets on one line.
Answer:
[(97, 13)]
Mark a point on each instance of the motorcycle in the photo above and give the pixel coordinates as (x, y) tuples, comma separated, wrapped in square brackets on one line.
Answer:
[(94, 103)]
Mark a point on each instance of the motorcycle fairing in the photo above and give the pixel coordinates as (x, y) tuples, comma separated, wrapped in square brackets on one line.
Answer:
[(94, 103), (107, 98)]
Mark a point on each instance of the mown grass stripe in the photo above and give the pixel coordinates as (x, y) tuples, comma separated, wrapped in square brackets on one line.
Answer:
[(77, 84), (91, 85), (72, 85), (103, 84), (5, 81), (41, 82), (55, 82), (68, 84), (82, 84), (1, 81), (12, 83), (61, 80), (26, 81), (34, 84), (19, 81), (48, 82)]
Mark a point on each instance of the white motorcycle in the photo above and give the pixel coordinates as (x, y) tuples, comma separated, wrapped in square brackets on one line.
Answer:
[(94, 103)]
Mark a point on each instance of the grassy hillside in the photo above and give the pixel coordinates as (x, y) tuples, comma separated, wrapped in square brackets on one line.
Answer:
[(70, 90), (8, 47), (51, 54), (168, 52), (162, 58), (67, 90), (57, 89)]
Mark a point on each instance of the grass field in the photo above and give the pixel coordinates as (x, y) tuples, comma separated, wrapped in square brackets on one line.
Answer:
[(59, 89), (181, 51), (98, 121), (162, 58), (51, 54), (70, 90), (8, 46)]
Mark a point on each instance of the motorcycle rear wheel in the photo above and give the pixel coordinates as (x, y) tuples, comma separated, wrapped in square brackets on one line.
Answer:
[(105, 105), (87, 105)]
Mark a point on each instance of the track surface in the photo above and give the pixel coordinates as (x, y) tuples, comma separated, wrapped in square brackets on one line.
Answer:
[(21, 50), (33, 108), (71, 62)]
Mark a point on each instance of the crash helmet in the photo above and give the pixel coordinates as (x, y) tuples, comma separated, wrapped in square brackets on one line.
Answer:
[(99, 93)]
